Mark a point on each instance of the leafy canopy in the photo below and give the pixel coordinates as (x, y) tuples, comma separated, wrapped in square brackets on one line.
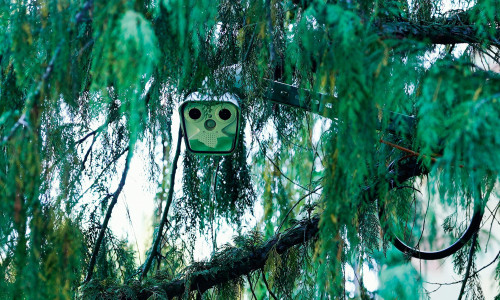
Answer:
[(88, 86)]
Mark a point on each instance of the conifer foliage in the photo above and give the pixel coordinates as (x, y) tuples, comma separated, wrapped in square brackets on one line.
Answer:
[(88, 86)]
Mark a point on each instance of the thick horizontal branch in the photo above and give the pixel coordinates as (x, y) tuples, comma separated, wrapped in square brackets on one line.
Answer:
[(435, 33), (251, 261), (454, 29)]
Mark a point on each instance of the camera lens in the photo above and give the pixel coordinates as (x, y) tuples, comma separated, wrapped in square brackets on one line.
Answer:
[(224, 114), (210, 124), (194, 113)]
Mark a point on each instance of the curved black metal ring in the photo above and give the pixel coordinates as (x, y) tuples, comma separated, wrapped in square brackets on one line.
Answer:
[(413, 168), (289, 95), (433, 255)]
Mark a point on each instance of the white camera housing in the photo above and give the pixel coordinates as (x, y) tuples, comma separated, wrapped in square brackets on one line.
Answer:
[(210, 124)]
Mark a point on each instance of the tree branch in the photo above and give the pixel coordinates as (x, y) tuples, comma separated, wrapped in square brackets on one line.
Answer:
[(454, 29), (251, 287), (92, 133), (293, 207), (246, 263), (267, 285), (269, 24), (435, 33), (33, 97), (473, 274), (154, 249), (469, 264), (114, 199)]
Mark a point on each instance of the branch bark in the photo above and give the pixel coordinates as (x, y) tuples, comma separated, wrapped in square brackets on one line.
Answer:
[(454, 29), (248, 262), (435, 33)]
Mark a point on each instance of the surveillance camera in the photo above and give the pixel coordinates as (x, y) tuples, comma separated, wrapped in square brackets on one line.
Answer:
[(210, 123)]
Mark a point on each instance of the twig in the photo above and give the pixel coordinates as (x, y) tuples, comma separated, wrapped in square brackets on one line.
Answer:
[(251, 286), (114, 199), (92, 133), (250, 44), (212, 208), (423, 223), (31, 98), (473, 274), (84, 161), (278, 168), (23, 119), (295, 205), (270, 31), (469, 264), (114, 160), (267, 286), (133, 229), (492, 221), (413, 153), (170, 195)]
